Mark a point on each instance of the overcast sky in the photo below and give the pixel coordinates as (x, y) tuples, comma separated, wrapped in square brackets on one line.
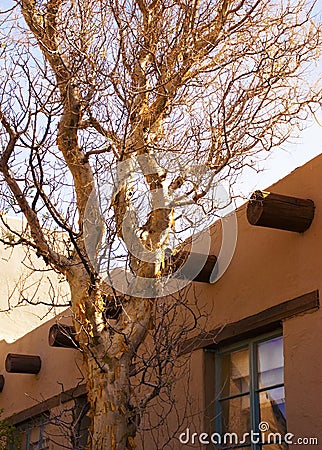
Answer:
[(282, 161)]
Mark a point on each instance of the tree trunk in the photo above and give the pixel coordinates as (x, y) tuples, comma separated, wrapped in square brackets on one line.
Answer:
[(107, 359), (113, 422)]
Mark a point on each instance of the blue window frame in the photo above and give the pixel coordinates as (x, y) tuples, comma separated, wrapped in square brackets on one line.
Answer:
[(33, 433), (250, 398)]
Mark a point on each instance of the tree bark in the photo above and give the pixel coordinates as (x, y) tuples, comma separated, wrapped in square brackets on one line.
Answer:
[(107, 359), (113, 422)]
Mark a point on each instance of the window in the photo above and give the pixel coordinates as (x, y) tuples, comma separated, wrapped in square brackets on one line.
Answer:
[(33, 432), (64, 426), (250, 394)]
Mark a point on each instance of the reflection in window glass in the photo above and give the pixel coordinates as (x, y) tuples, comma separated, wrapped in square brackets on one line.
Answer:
[(235, 373), (251, 390), (272, 410), (270, 362), (273, 400), (236, 415)]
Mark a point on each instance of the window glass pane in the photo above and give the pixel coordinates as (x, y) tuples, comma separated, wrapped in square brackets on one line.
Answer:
[(272, 410), (270, 362), (235, 373), (235, 415), (238, 407)]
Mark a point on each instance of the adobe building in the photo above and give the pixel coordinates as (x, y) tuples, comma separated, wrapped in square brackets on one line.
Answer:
[(28, 290), (255, 372)]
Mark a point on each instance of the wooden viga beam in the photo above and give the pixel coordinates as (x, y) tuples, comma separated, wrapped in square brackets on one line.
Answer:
[(61, 335), (1, 383), (192, 266), (65, 336), (266, 209), (18, 363)]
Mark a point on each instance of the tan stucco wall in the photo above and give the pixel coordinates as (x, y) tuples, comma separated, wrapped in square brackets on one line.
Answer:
[(19, 281), (184, 409), (61, 369), (303, 377)]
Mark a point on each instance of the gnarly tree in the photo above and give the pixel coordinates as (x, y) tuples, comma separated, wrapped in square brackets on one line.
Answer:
[(154, 101)]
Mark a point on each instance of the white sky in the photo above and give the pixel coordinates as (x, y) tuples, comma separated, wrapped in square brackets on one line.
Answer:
[(281, 161)]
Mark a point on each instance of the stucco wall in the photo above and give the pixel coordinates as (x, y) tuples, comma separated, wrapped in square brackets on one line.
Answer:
[(20, 283), (61, 369)]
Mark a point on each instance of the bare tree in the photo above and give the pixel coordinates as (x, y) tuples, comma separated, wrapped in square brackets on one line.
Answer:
[(150, 104)]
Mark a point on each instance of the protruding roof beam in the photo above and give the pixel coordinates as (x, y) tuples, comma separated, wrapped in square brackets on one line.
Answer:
[(283, 212), (62, 336), (18, 363), (1, 383), (187, 264)]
